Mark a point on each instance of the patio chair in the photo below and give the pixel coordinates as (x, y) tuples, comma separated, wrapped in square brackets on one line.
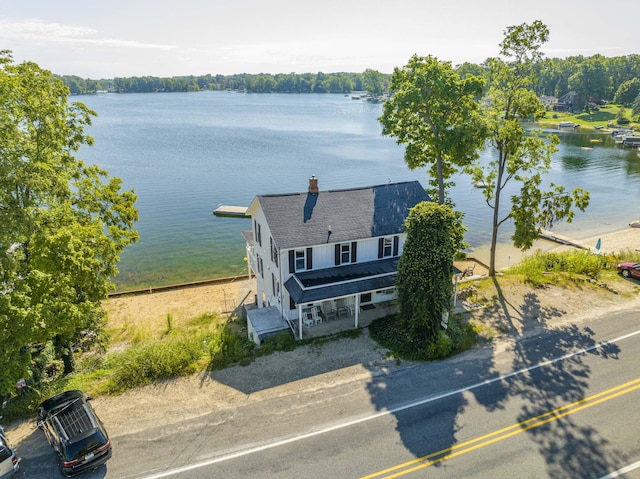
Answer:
[(331, 314), (343, 308), (307, 320), (315, 315), (469, 271)]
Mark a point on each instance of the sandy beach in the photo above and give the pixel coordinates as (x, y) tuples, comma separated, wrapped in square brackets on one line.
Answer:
[(615, 242), (223, 298), (612, 242)]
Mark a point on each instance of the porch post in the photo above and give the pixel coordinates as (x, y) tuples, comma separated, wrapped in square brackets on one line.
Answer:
[(248, 262), (300, 320), (357, 311)]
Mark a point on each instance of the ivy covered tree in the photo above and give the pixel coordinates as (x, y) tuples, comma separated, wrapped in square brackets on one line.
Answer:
[(425, 272), (63, 223), (522, 156)]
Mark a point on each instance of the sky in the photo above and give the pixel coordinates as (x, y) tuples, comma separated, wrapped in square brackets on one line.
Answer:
[(120, 38)]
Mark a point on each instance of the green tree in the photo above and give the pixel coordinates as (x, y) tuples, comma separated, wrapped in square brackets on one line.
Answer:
[(373, 82), (425, 272), (627, 92), (636, 106), (435, 115), (522, 156), (64, 223), (591, 81)]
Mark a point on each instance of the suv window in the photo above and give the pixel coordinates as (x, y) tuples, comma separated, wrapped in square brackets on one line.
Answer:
[(83, 446), (4, 453)]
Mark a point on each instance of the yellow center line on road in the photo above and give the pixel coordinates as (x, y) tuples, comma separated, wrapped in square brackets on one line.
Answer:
[(505, 433)]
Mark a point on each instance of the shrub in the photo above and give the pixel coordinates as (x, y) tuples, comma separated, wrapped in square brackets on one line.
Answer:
[(226, 347), (440, 347), (25, 403), (390, 333), (142, 364), (575, 262), (282, 342)]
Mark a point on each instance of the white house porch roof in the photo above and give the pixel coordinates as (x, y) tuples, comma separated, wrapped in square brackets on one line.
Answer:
[(323, 284)]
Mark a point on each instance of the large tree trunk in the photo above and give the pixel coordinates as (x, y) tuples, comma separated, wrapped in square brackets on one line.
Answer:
[(495, 223), (65, 352)]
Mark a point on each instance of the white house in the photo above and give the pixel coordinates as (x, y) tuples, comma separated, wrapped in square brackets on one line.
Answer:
[(549, 102), (320, 255)]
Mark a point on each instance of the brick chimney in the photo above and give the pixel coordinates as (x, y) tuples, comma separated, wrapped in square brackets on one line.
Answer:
[(313, 185)]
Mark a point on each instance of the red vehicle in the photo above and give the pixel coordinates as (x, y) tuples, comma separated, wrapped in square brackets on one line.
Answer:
[(629, 270)]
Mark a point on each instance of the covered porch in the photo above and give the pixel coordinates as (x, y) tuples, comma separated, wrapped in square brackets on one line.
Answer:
[(332, 325), (265, 322), (345, 297)]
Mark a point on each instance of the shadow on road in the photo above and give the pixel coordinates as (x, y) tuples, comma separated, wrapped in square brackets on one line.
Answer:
[(568, 448)]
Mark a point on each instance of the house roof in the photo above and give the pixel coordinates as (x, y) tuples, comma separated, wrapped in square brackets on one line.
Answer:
[(319, 285), (335, 216)]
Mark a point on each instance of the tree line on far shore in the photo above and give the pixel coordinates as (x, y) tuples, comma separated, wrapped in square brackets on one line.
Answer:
[(259, 83), (597, 77)]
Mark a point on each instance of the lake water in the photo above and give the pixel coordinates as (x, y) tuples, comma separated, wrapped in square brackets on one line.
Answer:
[(186, 153)]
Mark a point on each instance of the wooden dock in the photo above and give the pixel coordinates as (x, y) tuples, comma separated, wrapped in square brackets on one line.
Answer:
[(551, 236), (231, 211)]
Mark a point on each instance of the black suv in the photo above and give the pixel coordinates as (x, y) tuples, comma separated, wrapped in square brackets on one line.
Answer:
[(75, 432)]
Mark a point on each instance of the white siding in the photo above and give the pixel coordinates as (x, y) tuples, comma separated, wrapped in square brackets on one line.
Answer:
[(323, 257), (264, 287)]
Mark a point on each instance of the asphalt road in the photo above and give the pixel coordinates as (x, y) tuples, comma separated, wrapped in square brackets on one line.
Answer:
[(561, 404)]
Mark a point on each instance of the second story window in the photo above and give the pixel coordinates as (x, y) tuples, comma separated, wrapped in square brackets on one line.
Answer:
[(257, 232), (345, 253), (300, 260), (388, 246), (387, 249)]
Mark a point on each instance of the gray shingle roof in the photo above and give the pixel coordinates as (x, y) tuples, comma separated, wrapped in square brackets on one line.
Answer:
[(319, 285), (304, 219)]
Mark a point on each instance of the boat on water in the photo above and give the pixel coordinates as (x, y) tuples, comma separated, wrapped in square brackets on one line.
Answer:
[(567, 124), (631, 141), (621, 132)]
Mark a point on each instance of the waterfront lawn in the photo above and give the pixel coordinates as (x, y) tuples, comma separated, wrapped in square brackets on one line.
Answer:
[(603, 118)]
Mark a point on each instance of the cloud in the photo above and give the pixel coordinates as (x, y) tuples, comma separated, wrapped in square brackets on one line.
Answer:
[(40, 31)]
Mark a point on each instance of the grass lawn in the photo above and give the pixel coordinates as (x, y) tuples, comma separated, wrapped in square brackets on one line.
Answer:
[(605, 117)]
